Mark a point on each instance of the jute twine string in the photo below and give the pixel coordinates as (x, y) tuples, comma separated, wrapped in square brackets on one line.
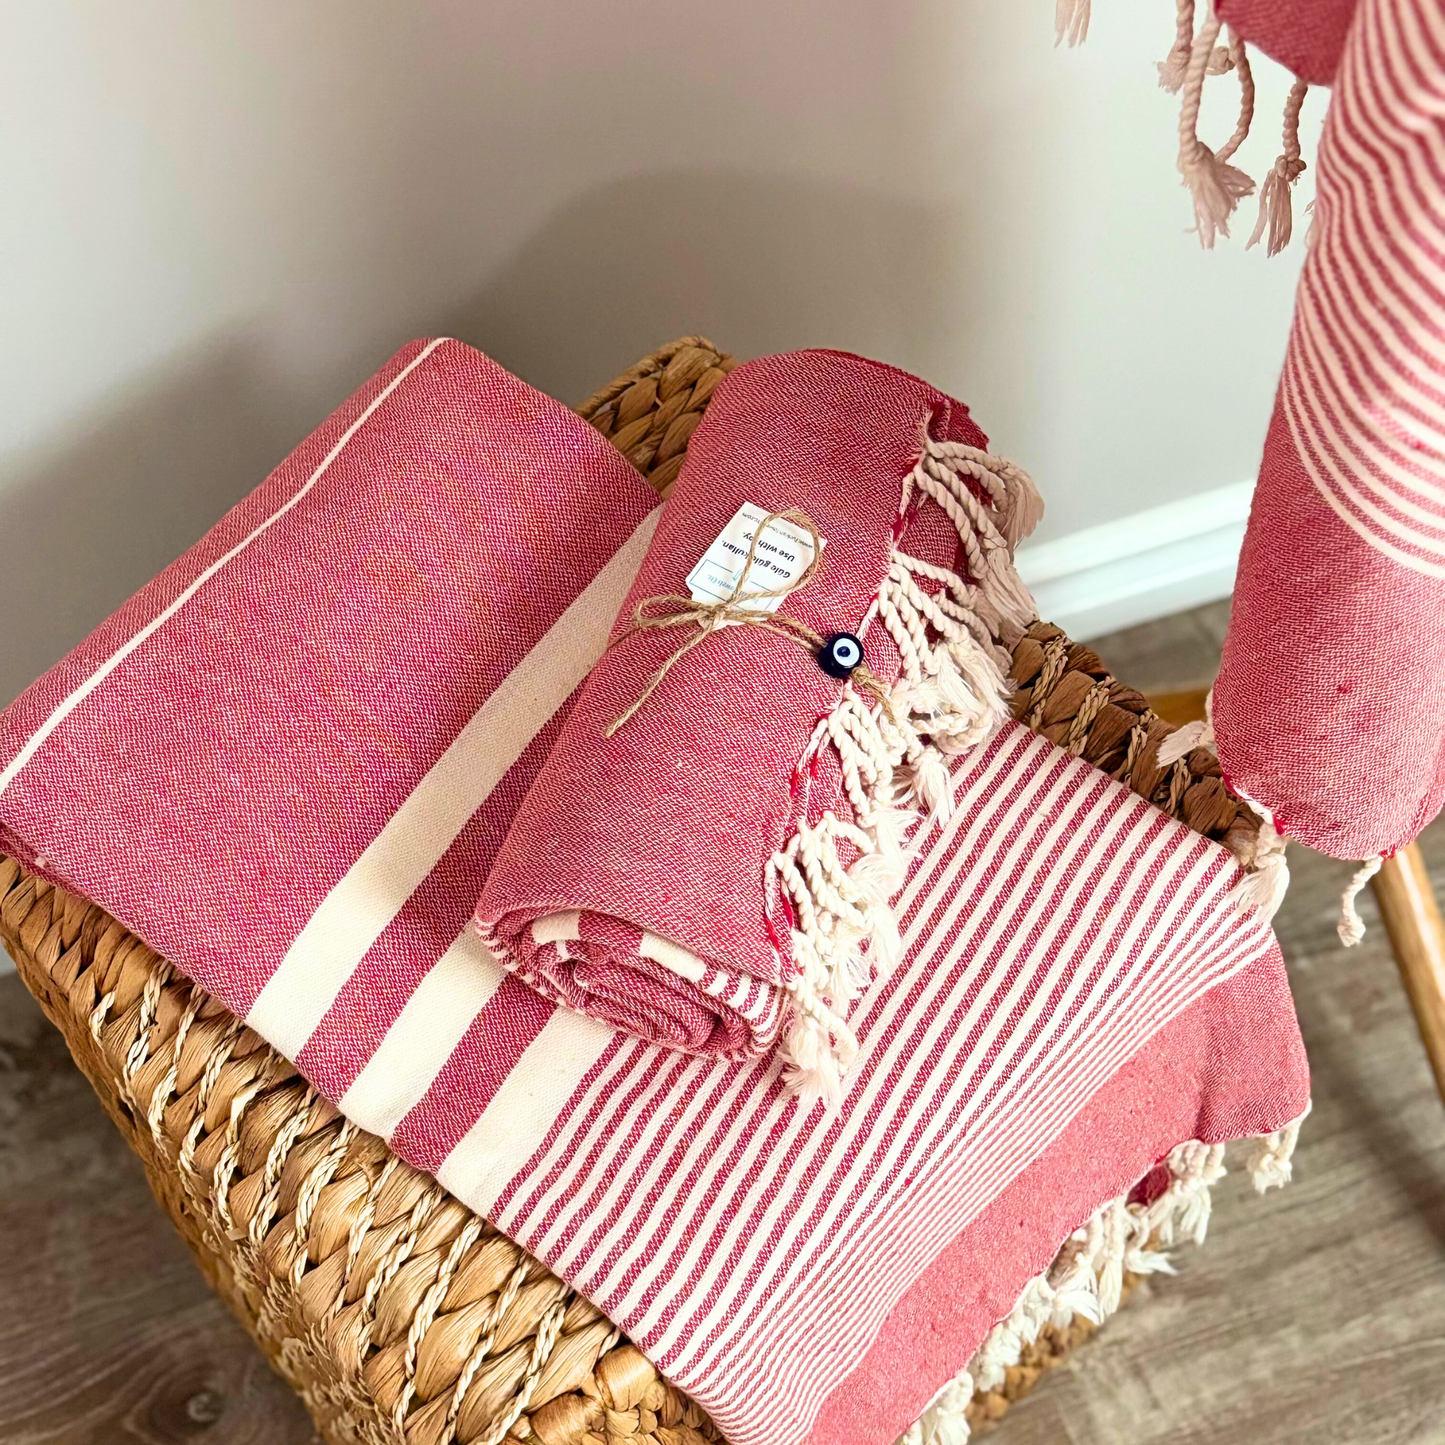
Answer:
[(708, 617)]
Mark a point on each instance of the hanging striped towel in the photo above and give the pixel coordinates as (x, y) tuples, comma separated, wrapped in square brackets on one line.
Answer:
[(1330, 704)]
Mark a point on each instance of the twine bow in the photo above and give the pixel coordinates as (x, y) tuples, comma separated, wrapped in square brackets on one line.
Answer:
[(736, 608)]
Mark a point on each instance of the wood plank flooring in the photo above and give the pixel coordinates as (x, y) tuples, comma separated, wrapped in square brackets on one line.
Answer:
[(1313, 1316)]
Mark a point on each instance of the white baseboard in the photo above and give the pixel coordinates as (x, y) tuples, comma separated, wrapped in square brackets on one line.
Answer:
[(1142, 566)]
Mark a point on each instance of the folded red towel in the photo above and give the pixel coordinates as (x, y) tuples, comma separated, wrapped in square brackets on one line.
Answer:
[(401, 609)]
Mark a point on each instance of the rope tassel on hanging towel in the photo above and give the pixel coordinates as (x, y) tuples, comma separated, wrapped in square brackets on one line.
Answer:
[(1216, 186), (1276, 212)]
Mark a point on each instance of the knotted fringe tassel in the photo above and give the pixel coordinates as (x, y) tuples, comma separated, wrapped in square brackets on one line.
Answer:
[(1271, 1159), (1276, 210), (1267, 880), (1351, 926), (1173, 68), (1071, 21), (838, 877), (1183, 740), (1216, 186), (1086, 1279)]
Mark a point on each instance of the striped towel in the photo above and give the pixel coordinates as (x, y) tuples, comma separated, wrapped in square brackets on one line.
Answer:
[(718, 872), (311, 735), (763, 1252), (1330, 704)]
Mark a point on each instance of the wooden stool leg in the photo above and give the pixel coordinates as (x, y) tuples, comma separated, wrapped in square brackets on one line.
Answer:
[(1417, 934)]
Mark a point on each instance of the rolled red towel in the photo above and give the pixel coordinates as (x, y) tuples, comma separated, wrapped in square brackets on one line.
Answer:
[(709, 856)]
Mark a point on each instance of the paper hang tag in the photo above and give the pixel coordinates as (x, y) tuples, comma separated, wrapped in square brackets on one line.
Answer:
[(784, 552)]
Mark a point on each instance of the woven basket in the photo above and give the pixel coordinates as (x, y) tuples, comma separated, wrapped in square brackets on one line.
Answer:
[(395, 1312)]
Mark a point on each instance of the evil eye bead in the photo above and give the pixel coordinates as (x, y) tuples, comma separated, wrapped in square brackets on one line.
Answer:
[(840, 654)]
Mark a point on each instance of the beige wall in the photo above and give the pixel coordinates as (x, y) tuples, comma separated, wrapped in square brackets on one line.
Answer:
[(219, 218)]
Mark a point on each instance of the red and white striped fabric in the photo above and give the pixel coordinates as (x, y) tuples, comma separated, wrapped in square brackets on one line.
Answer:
[(756, 1248), (703, 784), (1330, 705), (315, 728)]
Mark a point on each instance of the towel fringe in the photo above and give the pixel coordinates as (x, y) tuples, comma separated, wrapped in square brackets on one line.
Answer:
[(1267, 882), (1216, 186), (1351, 926), (1071, 21), (1276, 206), (1086, 1279), (1271, 1160), (1183, 740), (955, 643), (1175, 66), (1267, 872)]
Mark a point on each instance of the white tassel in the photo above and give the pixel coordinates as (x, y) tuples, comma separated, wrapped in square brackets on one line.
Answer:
[(1216, 186), (1217, 190), (1182, 741), (1276, 208), (1351, 926), (950, 695), (947, 1416), (1071, 21), (929, 779), (1111, 1271), (1267, 882), (1264, 888), (1270, 1162), (819, 1047), (1024, 509), (1175, 66), (1076, 1296), (1085, 1280), (1184, 1208), (1198, 734)]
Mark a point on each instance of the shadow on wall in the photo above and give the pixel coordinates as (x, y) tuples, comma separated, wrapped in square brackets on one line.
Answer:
[(756, 263), (759, 264), (89, 520)]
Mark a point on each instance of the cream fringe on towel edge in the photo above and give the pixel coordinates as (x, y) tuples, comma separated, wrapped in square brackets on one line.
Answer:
[(950, 696), (1087, 1276), (1267, 877)]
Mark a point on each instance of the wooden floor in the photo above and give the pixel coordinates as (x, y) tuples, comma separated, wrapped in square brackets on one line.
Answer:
[(1313, 1316)]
